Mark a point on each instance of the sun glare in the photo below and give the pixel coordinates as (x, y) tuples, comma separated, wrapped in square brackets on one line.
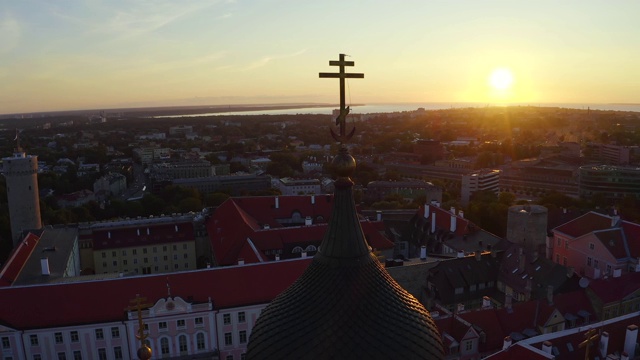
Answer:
[(501, 79)]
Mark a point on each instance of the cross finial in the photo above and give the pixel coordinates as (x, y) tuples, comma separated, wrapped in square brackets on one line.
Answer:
[(344, 110), (138, 304), (590, 336)]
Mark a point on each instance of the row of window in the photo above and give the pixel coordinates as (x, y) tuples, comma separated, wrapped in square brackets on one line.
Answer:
[(77, 354), (147, 270), (114, 253), (73, 335), (242, 338), (226, 318)]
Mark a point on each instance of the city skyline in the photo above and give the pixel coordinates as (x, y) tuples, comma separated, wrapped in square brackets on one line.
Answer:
[(101, 54)]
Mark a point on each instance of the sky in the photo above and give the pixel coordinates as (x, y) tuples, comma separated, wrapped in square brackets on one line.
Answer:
[(101, 54)]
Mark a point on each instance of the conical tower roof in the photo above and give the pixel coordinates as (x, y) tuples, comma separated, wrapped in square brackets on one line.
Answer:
[(345, 305)]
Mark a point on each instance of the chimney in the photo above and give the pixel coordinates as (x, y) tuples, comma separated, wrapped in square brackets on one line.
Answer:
[(240, 261), (507, 343), (433, 202), (303, 254), (307, 221), (486, 302), (277, 202), (452, 228), (425, 213), (138, 231), (631, 339), (614, 219), (109, 234), (452, 210), (148, 231), (478, 255), (460, 254), (461, 214), (433, 222), (550, 294), (44, 264), (570, 271), (521, 261), (547, 346), (277, 257), (313, 199), (604, 343), (564, 210), (266, 227), (617, 273), (460, 308), (378, 215), (507, 302), (423, 252)]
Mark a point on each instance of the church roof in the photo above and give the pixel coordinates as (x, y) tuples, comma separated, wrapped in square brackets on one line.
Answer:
[(345, 305)]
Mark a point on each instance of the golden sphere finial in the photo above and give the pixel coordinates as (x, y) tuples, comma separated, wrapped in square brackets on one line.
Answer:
[(144, 353), (344, 165)]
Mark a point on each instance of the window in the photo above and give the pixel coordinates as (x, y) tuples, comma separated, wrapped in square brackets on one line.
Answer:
[(557, 258), (164, 248), (181, 323), (146, 260), (564, 260), (135, 261), (184, 246), (243, 336), (186, 256), (104, 254), (155, 249), (228, 339), (592, 246), (559, 241), (115, 263), (124, 252), (175, 256), (155, 259), (241, 317), (37, 357), (124, 262), (62, 356), (34, 340), (162, 326), (175, 247), (595, 264), (175, 266), (115, 332), (566, 244), (229, 357), (165, 258), (77, 355), (99, 334), (243, 356), (102, 354), (104, 264), (226, 319), (164, 346), (200, 341), (468, 345), (144, 250), (182, 344), (5, 343), (589, 259), (58, 337), (117, 353), (199, 321), (186, 265), (135, 251), (113, 254), (608, 269)]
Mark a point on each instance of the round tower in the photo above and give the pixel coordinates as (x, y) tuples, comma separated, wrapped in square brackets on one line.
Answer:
[(527, 226), (21, 174)]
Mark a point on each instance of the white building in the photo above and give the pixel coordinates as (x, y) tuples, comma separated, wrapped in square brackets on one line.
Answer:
[(481, 180)]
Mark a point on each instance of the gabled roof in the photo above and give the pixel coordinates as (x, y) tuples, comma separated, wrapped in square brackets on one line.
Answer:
[(243, 218), (69, 304), (585, 224), (632, 235), (614, 241)]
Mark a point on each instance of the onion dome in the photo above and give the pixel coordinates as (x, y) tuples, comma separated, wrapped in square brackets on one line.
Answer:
[(345, 305)]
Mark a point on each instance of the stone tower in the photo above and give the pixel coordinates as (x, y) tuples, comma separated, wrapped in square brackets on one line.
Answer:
[(21, 173)]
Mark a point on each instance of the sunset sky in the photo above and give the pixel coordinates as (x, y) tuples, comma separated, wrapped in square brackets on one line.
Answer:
[(59, 55)]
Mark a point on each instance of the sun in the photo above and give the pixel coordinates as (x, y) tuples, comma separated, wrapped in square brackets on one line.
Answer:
[(501, 79)]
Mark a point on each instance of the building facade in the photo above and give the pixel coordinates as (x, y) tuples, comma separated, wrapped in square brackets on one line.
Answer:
[(612, 182), (483, 180)]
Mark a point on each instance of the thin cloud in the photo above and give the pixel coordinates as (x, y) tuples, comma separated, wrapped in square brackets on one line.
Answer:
[(11, 33), (267, 59), (225, 16)]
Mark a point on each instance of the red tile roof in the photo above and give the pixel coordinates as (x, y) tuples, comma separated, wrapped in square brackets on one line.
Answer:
[(613, 240), (585, 224), (71, 304), (632, 233), (444, 218), (614, 289), (137, 235), (243, 218), (18, 258)]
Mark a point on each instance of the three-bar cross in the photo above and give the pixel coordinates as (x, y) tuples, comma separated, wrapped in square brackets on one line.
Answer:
[(341, 120)]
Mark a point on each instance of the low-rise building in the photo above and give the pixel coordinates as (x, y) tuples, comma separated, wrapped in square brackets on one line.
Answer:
[(483, 180)]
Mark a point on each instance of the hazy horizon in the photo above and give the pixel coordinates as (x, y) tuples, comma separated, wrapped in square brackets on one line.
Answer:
[(115, 54)]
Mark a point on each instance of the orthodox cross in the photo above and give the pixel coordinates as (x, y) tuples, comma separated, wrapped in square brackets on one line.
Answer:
[(590, 336), (138, 304), (344, 111)]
